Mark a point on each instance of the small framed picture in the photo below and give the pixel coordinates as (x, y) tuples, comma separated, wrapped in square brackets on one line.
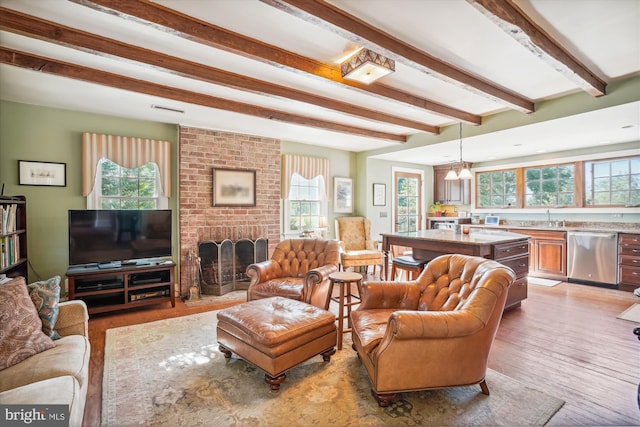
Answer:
[(342, 195), (42, 173), (234, 187), (379, 194)]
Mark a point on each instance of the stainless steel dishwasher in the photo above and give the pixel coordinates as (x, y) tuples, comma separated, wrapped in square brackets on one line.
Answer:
[(592, 257)]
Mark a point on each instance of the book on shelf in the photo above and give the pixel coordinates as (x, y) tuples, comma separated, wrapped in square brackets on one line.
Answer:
[(8, 221), (10, 251)]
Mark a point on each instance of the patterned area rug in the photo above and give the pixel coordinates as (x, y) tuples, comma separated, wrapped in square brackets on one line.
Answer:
[(213, 299), (171, 373)]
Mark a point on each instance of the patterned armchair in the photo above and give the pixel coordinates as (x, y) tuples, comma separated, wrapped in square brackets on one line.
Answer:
[(432, 332), (356, 247), (298, 269)]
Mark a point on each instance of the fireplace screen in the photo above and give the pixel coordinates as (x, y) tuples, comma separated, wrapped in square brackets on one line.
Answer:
[(224, 263)]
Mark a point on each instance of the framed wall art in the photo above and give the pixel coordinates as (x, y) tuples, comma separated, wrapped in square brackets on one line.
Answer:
[(42, 173), (379, 194), (342, 195), (234, 187)]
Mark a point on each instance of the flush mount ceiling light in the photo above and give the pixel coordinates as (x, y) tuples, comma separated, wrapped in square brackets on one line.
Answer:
[(366, 66), (464, 172)]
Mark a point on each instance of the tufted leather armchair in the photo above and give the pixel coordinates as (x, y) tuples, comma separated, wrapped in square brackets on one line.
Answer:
[(432, 332), (299, 269), (356, 247)]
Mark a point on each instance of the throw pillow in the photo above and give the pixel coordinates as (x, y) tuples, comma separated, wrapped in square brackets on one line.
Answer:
[(45, 295), (21, 333)]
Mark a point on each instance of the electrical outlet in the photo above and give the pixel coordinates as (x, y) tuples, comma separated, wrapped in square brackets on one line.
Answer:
[(383, 214), (617, 215)]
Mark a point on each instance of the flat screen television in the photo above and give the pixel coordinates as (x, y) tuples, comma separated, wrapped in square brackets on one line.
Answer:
[(106, 236)]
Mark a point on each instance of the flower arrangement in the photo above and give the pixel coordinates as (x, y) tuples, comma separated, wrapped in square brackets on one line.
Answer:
[(437, 209)]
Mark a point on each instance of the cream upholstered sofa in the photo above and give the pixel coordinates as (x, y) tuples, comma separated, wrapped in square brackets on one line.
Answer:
[(57, 375)]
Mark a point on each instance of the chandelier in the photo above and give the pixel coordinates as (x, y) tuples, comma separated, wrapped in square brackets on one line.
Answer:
[(463, 170)]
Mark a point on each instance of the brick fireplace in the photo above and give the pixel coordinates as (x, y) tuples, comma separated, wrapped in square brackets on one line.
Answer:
[(201, 150)]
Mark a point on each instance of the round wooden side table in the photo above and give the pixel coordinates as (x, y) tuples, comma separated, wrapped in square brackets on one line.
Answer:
[(345, 279)]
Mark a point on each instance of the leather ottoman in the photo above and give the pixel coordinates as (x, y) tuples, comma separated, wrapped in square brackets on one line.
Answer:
[(275, 334)]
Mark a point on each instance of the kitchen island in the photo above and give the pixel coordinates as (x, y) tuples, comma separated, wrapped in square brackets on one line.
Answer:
[(510, 249)]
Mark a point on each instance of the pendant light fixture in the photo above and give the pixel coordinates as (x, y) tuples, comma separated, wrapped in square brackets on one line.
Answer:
[(464, 172)]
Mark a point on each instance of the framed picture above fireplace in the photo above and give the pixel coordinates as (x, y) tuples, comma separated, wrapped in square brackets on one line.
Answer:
[(234, 187)]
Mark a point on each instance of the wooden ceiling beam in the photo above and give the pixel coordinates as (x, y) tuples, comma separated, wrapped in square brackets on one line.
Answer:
[(41, 29), (91, 75), (510, 18), (337, 20), (171, 21)]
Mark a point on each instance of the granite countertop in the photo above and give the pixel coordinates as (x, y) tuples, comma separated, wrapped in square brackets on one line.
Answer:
[(569, 226), (474, 238)]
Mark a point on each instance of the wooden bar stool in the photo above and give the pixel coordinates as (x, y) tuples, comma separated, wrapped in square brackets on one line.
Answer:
[(413, 267), (345, 279)]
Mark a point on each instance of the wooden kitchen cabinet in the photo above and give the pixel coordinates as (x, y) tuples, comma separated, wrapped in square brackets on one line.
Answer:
[(547, 253), (628, 261), (514, 255), (456, 192)]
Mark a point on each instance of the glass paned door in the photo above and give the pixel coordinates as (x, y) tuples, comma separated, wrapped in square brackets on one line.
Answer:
[(408, 200)]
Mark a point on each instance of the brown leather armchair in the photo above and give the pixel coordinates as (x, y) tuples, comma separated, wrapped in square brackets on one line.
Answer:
[(357, 249), (432, 332), (299, 269)]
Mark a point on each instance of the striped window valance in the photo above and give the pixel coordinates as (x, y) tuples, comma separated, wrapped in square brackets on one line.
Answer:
[(306, 167), (126, 151)]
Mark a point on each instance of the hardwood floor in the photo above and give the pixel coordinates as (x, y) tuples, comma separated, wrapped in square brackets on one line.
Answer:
[(564, 340)]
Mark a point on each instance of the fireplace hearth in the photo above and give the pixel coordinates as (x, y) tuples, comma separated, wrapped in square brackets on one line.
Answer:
[(224, 263)]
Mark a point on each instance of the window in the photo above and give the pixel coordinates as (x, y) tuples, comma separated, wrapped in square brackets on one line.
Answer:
[(117, 187), (306, 204), (408, 200), (497, 189), (549, 186), (612, 182)]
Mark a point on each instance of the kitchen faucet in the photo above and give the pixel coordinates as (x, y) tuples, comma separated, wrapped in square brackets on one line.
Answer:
[(549, 217)]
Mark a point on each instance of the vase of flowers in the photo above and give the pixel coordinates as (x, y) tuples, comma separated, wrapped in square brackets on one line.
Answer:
[(437, 209)]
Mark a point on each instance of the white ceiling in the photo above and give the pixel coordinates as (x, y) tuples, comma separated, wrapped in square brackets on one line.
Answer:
[(604, 35)]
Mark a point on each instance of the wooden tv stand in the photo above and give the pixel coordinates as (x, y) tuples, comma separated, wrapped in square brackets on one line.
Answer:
[(122, 288)]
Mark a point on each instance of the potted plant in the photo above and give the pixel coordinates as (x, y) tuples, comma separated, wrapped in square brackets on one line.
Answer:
[(437, 209)]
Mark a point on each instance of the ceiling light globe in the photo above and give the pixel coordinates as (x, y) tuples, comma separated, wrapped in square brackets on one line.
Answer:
[(465, 173), (451, 175)]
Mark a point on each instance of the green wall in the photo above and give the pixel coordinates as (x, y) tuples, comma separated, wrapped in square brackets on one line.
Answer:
[(36, 133)]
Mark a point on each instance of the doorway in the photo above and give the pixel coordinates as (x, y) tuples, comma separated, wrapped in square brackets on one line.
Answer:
[(407, 205)]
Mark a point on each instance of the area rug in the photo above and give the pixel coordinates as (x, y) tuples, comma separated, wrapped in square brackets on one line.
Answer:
[(171, 373), (214, 299), (542, 282), (632, 313)]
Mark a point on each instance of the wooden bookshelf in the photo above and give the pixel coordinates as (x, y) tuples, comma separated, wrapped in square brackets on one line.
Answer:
[(13, 237)]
